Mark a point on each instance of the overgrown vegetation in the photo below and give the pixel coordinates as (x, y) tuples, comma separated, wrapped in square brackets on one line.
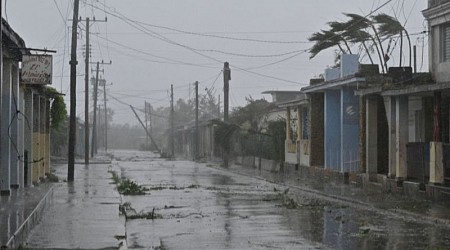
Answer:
[(58, 109), (126, 186)]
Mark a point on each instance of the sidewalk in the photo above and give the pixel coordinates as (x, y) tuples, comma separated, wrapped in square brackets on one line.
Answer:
[(84, 214), (21, 211), (418, 210)]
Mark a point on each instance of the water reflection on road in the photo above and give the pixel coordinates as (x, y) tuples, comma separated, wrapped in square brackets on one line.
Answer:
[(207, 208)]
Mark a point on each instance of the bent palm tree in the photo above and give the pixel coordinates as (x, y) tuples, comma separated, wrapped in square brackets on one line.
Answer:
[(323, 40), (358, 22), (390, 26)]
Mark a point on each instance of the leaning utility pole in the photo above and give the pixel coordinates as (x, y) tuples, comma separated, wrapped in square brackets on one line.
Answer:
[(142, 124), (172, 144), (73, 91), (226, 88), (196, 124)]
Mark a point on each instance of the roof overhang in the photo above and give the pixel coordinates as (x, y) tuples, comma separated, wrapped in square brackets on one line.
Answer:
[(338, 83)]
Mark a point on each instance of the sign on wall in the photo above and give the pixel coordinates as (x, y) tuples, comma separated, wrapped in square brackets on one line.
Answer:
[(36, 69)]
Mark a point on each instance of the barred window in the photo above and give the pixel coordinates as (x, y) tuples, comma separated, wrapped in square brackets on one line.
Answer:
[(306, 123)]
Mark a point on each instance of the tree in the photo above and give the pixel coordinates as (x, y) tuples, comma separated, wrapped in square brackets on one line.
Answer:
[(247, 117), (357, 31), (388, 27)]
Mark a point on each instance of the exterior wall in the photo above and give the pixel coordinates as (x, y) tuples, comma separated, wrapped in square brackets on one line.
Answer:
[(317, 129), (332, 114), (350, 130), (440, 70), (28, 134), (4, 131)]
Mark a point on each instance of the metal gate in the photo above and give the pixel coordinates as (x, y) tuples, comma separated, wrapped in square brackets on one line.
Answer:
[(418, 161)]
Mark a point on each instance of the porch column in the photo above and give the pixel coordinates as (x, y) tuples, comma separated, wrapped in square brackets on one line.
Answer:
[(288, 124), (5, 147), (436, 153), (299, 122), (28, 136), (47, 136), (389, 104), (42, 145), (15, 154), (21, 138), (401, 129), (371, 137)]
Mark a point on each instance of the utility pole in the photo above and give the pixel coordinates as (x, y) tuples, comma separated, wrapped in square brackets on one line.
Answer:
[(226, 88), (196, 123), (142, 124), (106, 116), (94, 122), (172, 144), (73, 91), (86, 97)]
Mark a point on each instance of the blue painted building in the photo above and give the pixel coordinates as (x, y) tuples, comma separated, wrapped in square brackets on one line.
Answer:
[(341, 115)]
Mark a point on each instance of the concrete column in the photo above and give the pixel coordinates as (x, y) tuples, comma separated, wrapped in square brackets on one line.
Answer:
[(21, 136), (28, 137), (5, 144), (288, 124), (47, 136), (42, 144), (389, 104), (299, 122), (15, 154), (401, 121), (372, 137), (436, 163)]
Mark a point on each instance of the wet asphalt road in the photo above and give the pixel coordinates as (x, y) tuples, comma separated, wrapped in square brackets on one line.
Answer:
[(201, 206)]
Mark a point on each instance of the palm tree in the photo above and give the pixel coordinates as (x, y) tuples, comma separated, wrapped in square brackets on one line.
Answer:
[(323, 40), (389, 26), (340, 29), (357, 26)]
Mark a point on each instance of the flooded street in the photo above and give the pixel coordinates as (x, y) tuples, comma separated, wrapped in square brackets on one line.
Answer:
[(198, 206)]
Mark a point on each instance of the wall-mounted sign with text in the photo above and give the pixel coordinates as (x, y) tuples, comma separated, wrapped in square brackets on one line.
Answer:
[(36, 69)]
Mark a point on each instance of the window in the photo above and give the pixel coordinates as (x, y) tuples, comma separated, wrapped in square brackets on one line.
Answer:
[(445, 43), (306, 126)]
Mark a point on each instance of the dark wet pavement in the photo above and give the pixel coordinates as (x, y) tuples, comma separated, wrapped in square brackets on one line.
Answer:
[(84, 214), (17, 209), (201, 206)]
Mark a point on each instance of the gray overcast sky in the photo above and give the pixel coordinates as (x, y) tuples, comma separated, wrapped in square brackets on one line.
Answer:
[(147, 57)]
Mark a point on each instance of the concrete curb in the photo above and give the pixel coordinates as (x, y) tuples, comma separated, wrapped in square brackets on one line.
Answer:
[(21, 234)]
